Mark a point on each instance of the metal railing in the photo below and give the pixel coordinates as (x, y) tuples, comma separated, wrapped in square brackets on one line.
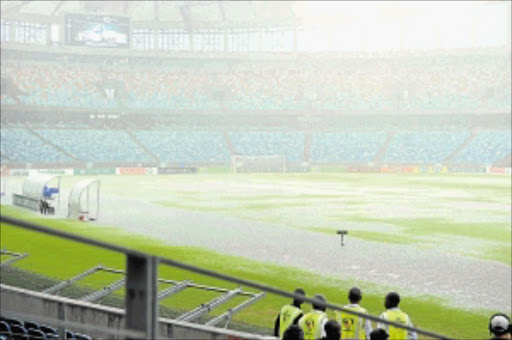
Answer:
[(141, 282)]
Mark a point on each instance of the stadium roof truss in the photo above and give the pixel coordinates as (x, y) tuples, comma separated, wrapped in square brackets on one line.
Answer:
[(175, 288), (189, 15)]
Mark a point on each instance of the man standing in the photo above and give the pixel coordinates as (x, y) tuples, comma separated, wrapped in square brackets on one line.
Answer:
[(313, 323), (289, 315), (353, 326), (394, 314)]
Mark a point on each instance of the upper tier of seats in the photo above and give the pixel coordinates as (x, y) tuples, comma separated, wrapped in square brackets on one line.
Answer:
[(452, 82)]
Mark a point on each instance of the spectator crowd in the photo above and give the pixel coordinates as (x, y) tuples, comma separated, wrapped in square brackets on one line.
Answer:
[(449, 82)]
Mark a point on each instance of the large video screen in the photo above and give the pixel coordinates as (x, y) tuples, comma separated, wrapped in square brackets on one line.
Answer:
[(97, 30)]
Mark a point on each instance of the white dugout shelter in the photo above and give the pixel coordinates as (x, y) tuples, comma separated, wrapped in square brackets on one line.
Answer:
[(34, 187), (84, 200)]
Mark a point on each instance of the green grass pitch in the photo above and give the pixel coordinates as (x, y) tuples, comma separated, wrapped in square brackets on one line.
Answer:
[(475, 209)]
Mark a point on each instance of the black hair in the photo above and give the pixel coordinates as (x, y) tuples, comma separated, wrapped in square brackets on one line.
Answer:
[(379, 334), (332, 329), (319, 306), (294, 332), (296, 300), (392, 300), (354, 295)]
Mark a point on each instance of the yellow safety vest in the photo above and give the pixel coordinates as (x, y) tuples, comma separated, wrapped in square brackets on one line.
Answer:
[(398, 317), (286, 317), (311, 324), (352, 326)]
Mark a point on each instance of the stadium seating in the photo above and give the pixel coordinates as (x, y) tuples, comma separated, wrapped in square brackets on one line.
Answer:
[(286, 143), (5, 329), (20, 145), (36, 334), (13, 328), (97, 145), (486, 147), (79, 336), (19, 332), (347, 147), (185, 145), (449, 82), (31, 325), (430, 147)]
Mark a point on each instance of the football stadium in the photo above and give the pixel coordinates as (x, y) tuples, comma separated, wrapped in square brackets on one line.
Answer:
[(256, 170)]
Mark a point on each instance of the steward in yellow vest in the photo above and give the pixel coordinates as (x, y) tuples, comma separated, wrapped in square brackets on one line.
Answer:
[(289, 314), (393, 313), (353, 326), (313, 323)]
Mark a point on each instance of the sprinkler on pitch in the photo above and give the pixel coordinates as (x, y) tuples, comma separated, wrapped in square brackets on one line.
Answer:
[(342, 233)]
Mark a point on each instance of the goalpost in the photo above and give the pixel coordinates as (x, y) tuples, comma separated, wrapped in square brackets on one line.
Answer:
[(258, 163)]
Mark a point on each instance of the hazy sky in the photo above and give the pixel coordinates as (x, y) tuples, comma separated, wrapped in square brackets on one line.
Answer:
[(368, 25)]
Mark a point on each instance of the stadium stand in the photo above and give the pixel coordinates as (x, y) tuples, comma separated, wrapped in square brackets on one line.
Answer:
[(455, 82), (96, 145), (271, 142), (13, 328), (486, 147), (332, 147), (431, 147), (20, 145), (185, 145)]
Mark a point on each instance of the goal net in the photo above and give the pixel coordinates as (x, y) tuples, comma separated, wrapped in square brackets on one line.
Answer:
[(263, 163)]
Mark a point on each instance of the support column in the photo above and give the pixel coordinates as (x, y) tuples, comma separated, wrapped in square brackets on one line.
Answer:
[(12, 34), (294, 36), (141, 295)]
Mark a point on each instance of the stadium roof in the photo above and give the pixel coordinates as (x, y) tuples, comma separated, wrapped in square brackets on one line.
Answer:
[(184, 14)]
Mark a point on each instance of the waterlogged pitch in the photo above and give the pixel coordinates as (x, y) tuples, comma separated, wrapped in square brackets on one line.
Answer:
[(438, 238)]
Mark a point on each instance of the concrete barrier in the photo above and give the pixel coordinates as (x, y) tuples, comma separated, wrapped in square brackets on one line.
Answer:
[(100, 321)]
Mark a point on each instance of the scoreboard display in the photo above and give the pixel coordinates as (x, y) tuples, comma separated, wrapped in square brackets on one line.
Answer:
[(97, 30)]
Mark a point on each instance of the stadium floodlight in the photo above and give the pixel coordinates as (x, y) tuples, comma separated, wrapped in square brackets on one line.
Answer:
[(258, 163)]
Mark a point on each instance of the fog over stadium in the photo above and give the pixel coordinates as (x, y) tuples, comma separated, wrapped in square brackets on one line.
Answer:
[(243, 138)]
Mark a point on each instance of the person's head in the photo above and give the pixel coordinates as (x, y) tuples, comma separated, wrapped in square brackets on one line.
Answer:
[(392, 300), (319, 306), (332, 330), (299, 301), (294, 332), (499, 325), (355, 295), (379, 334)]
